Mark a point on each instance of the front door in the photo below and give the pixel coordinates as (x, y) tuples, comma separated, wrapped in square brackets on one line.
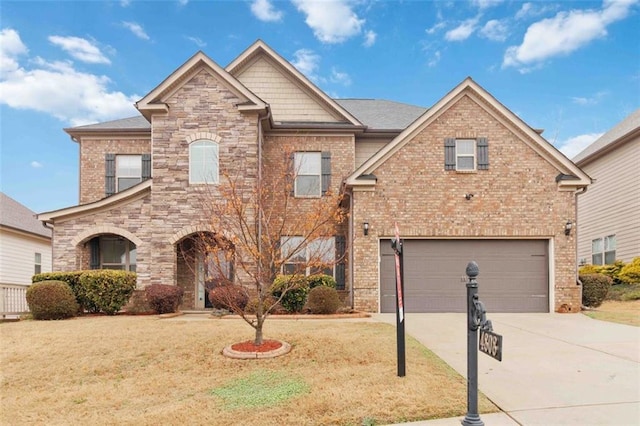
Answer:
[(212, 269)]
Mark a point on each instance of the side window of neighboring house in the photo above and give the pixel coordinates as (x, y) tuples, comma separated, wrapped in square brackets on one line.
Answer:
[(37, 263), (466, 155), (312, 172), (203, 162), (603, 250), (126, 170)]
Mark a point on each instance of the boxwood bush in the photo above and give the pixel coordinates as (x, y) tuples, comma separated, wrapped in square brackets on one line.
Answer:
[(594, 289), (293, 290), (321, 280), (51, 300), (72, 278), (162, 298), (109, 290), (323, 300)]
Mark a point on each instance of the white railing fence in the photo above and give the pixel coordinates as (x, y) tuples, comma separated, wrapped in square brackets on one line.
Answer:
[(13, 300)]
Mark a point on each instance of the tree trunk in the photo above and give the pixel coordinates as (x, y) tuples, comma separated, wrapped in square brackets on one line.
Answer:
[(258, 340)]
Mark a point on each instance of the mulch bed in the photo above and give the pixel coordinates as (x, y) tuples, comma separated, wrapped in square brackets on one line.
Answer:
[(250, 346)]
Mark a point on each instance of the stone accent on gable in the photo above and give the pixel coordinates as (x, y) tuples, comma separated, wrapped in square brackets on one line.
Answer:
[(92, 162), (516, 198)]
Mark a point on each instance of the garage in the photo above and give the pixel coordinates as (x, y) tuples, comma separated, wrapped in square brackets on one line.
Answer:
[(514, 275)]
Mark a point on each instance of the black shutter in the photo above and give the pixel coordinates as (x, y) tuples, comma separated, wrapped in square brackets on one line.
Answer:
[(146, 166), (291, 173), (326, 171), (94, 260), (109, 174), (450, 154), (483, 153), (341, 250)]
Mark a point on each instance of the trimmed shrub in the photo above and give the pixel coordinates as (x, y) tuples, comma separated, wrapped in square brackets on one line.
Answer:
[(321, 279), (109, 290), (323, 300), (292, 291), (51, 300), (162, 298), (630, 273), (589, 269), (137, 304), (230, 297), (72, 278), (594, 289), (613, 270)]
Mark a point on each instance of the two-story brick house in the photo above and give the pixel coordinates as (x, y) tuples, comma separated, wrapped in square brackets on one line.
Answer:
[(464, 180)]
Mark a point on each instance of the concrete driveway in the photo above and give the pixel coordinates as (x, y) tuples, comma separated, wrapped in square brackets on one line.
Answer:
[(556, 369)]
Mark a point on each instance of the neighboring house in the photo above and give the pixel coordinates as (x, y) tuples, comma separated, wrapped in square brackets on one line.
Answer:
[(25, 250), (609, 212), (464, 180)]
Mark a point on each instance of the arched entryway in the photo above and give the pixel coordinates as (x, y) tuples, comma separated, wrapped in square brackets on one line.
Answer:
[(204, 260)]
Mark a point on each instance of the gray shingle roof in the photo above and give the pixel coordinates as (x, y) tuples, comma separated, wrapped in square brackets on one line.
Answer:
[(130, 123), (376, 114), (381, 114), (15, 215), (626, 126)]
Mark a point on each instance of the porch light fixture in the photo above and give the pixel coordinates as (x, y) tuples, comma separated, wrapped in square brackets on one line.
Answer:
[(365, 228), (567, 227)]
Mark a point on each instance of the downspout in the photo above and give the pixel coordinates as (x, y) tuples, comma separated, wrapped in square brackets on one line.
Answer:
[(582, 191), (351, 250), (259, 183)]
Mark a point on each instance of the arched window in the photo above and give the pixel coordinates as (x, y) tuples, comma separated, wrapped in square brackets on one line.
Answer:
[(203, 161)]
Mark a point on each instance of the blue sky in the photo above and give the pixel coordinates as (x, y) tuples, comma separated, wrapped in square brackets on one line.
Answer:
[(569, 67)]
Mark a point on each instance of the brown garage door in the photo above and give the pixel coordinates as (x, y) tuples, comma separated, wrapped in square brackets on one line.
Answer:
[(514, 275)]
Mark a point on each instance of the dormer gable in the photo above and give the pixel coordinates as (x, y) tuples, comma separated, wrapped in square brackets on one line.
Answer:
[(570, 176), (292, 97), (155, 101)]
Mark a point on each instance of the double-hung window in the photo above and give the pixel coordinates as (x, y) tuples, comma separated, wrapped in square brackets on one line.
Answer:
[(128, 171), (117, 253), (314, 257), (38, 263), (603, 250), (466, 155), (203, 161), (308, 172)]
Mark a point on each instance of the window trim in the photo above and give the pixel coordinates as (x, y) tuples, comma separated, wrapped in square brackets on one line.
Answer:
[(212, 144), (298, 174), (119, 176)]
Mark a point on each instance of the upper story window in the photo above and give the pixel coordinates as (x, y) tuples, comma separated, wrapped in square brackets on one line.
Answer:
[(466, 155), (312, 172), (122, 171), (203, 162), (128, 171), (308, 174), (603, 250)]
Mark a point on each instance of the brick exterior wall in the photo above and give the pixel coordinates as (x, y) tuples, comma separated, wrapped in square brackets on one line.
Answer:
[(92, 165), (516, 198)]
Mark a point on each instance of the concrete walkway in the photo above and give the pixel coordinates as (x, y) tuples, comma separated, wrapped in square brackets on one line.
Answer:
[(556, 369)]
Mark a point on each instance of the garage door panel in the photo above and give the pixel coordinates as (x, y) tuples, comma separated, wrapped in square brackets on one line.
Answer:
[(513, 275)]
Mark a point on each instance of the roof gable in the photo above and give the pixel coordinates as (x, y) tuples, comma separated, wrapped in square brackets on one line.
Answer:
[(15, 215), (291, 96), (154, 100), (362, 176)]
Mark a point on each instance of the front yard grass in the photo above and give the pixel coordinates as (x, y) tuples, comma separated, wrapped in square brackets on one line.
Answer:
[(623, 312), (146, 371)]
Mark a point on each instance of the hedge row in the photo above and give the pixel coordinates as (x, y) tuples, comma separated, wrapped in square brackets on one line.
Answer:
[(619, 272), (101, 290)]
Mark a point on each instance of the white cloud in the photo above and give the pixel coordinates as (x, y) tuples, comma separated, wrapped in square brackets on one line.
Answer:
[(340, 77), (462, 31), (369, 38), (182, 2), (264, 11), (307, 62), (495, 30), (587, 101), (197, 41), (11, 47), (435, 59), (484, 4), (437, 27), (36, 164), (331, 21), (564, 33), (573, 146), (125, 3), (57, 89), (80, 49), (136, 29)]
